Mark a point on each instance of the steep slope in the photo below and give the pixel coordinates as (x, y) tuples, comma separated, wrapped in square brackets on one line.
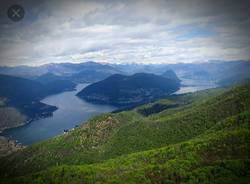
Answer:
[(220, 155), (19, 90), (111, 135), (123, 90), (170, 74), (25, 95)]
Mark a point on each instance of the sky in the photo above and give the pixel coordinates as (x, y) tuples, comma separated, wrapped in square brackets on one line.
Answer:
[(125, 31)]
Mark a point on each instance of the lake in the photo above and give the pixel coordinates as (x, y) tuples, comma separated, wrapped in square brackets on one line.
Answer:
[(71, 111), (189, 86)]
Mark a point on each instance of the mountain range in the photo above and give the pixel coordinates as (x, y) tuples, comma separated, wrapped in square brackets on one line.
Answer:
[(221, 72), (200, 137), (82, 72), (170, 74)]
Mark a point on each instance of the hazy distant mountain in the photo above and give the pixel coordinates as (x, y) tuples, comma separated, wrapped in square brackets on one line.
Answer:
[(221, 72), (124, 90), (48, 77), (77, 72), (190, 71), (170, 74), (23, 71), (70, 69), (56, 84), (93, 72), (231, 73), (130, 69), (91, 76)]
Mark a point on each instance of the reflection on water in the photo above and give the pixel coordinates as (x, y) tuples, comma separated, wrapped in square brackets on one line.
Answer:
[(71, 111)]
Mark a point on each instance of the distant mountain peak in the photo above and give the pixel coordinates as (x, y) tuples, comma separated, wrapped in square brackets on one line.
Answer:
[(170, 74)]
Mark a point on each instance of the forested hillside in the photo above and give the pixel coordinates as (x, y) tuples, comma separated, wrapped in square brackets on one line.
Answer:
[(121, 90), (25, 94), (194, 138)]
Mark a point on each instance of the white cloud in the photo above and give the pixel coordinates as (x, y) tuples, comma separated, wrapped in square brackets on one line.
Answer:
[(133, 31)]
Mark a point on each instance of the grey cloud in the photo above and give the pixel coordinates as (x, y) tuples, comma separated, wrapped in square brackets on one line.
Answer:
[(125, 31)]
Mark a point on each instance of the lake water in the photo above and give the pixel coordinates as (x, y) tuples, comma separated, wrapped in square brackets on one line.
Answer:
[(189, 86), (71, 111)]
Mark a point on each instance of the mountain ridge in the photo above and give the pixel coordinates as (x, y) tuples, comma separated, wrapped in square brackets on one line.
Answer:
[(220, 72), (122, 90), (25, 94), (187, 162)]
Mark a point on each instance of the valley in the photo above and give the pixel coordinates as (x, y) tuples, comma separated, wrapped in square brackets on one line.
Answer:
[(125, 92), (166, 127), (70, 112), (172, 144)]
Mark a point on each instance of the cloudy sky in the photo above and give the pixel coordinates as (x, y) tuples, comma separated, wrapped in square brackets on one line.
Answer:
[(125, 31)]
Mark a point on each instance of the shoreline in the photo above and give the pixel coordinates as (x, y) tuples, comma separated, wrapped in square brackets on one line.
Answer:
[(9, 145), (30, 120), (14, 144), (20, 125)]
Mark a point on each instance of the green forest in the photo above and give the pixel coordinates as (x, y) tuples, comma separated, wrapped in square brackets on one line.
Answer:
[(200, 137)]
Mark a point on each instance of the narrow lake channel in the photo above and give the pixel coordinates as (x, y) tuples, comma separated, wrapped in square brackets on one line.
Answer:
[(71, 112)]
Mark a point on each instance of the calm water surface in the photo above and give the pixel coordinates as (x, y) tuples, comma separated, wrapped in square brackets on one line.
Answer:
[(190, 86), (71, 111)]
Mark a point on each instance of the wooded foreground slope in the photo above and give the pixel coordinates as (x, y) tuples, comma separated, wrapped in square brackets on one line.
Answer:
[(194, 138)]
